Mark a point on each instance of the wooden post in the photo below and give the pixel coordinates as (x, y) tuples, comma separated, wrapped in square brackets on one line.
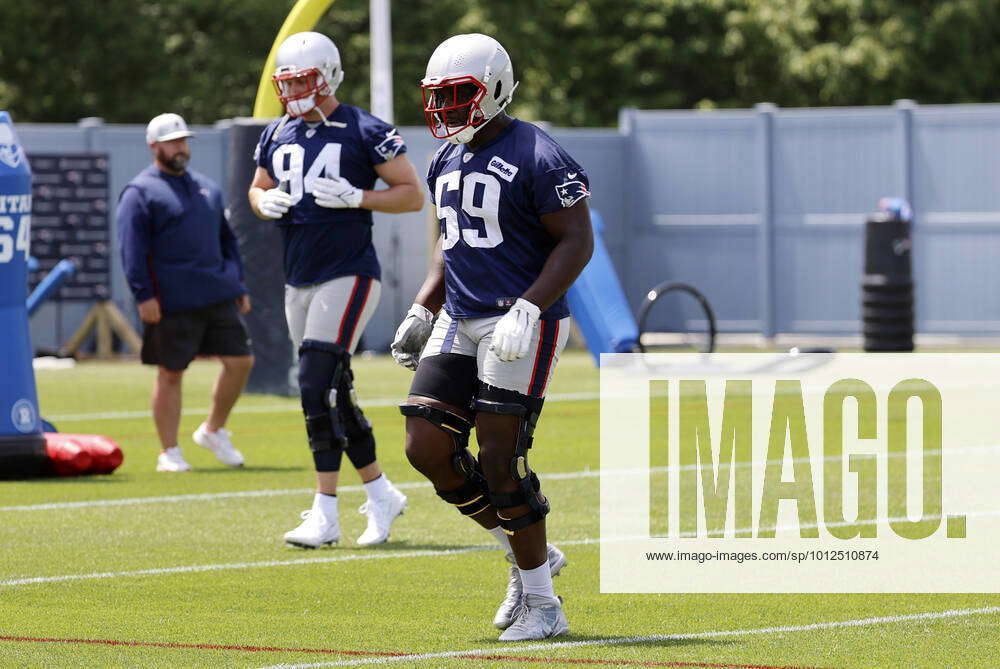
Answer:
[(107, 320)]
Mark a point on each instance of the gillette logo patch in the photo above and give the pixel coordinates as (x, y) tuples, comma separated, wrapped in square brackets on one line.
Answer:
[(506, 171)]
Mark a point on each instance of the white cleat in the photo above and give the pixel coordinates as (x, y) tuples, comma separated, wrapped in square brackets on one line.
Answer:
[(317, 529), (510, 607), (218, 442), (541, 617), (171, 460), (380, 514)]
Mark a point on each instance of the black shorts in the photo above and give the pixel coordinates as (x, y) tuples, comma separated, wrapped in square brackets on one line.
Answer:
[(453, 379), (179, 337), (447, 377)]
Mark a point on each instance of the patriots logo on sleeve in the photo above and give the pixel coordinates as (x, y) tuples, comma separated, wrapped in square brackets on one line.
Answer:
[(390, 146), (571, 192)]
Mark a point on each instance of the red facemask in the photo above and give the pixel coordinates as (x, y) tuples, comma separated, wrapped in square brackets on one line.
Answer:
[(452, 105), (301, 99)]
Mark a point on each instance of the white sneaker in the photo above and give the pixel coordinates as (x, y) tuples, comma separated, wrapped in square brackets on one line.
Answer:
[(317, 529), (171, 460), (218, 442), (541, 618), (510, 607), (380, 514)]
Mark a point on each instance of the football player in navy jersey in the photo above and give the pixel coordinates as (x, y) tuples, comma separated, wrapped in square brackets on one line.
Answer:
[(515, 233), (316, 172)]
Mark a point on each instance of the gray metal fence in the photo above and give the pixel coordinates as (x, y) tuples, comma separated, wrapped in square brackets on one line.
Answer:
[(761, 209)]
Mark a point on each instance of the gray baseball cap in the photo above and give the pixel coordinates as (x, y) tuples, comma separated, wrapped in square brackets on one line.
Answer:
[(166, 127)]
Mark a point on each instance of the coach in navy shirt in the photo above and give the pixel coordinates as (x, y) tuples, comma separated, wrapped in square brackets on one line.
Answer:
[(183, 266)]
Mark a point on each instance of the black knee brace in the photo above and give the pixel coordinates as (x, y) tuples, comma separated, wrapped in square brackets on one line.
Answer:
[(472, 496), (508, 402), (360, 440), (321, 368)]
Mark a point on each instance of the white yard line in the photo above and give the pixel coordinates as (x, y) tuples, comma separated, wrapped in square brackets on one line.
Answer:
[(165, 499), (210, 496), (194, 497), (276, 408), (369, 555), (556, 476), (617, 641), (379, 555), (234, 565)]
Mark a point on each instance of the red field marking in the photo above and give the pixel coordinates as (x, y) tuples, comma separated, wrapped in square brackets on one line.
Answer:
[(372, 653)]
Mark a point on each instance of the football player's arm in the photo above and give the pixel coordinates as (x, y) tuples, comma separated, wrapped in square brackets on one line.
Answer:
[(418, 323), (574, 236), (415, 331), (431, 293), (266, 201), (403, 193)]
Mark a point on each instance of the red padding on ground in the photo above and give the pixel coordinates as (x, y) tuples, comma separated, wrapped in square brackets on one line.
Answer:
[(75, 454)]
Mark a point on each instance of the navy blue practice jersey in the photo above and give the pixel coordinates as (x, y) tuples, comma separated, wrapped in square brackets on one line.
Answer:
[(321, 244), (490, 205)]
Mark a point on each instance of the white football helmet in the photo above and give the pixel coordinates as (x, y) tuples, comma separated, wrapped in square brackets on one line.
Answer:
[(307, 69), (469, 80)]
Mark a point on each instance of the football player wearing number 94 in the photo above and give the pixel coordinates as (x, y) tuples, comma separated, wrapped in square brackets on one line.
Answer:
[(515, 234), (316, 171)]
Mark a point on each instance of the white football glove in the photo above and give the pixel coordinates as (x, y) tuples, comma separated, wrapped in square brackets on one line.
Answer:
[(274, 203), (411, 336), (336, 193), (512, 333)]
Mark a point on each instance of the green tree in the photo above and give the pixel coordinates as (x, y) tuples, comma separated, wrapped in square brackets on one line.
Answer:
[(578, 61), (126, 60)]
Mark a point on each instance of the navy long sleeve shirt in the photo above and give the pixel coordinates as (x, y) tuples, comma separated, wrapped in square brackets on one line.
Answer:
[(175, 242)]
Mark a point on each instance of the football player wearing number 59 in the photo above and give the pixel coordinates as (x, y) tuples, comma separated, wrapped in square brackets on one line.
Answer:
[(316, 171), (515, 234)]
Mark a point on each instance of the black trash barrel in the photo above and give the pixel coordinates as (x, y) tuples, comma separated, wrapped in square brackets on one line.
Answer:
[(887, 285), (260, 248)]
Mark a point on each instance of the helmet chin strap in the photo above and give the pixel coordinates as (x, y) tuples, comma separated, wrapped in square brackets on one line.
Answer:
[(277, 130), (465, 135), (304, 106), (326, 121)]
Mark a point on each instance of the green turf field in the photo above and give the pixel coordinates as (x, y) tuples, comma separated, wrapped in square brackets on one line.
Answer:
[(188, 570)]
